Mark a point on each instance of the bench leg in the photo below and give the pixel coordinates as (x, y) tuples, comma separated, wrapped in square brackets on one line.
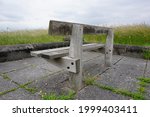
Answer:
[(109, 48), (76, 53)]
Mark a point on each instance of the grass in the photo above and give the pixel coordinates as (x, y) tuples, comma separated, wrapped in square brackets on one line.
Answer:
[(146, 55), (145, 80), (5, 76), (143, 83), (95, 38), (135, 96), (89, 80), (129, 34), (139, 95), (141, 90), (54, 96), (27, 37), (24, 86), (133, 35), (31, 90), (5, 92)]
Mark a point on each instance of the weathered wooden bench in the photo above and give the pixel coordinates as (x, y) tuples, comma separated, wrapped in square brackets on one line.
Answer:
[(70, 58)]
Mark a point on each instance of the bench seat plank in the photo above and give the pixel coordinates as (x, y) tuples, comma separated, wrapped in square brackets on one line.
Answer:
[(61, 52)]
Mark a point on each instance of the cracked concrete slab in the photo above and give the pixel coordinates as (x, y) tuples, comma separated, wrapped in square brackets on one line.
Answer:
[(20, 94), (6, 85), (95, 93), (124, 74)]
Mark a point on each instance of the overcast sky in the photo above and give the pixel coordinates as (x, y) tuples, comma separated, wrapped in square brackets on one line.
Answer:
[(37, 13)]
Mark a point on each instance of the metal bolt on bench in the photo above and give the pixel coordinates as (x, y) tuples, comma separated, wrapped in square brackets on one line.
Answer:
[(73, 62)]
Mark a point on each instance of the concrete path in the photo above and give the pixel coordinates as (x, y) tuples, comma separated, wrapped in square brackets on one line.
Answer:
[(28, 79)]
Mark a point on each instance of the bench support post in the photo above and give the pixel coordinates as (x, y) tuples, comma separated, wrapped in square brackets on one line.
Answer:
[(109, 48), (75, 52)]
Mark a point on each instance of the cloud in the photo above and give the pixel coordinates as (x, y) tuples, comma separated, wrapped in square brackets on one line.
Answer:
[(37, 13)]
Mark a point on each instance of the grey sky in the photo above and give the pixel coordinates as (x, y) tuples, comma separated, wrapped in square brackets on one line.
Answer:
[(37, 13)]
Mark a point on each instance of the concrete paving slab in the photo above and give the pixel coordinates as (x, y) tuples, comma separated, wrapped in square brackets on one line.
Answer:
[(12, 66), (29, 74), (6, 85), (137, 62), (49, 78), (97, 65), (94, 66), (88, 55), (95, 93), (42, 63), (124, 74), (20, 94), (51, 83)]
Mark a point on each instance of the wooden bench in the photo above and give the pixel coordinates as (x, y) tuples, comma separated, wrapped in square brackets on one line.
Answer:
[(70, 58)]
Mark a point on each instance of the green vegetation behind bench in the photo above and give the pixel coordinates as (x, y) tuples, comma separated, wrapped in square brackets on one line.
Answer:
[(129, 34)]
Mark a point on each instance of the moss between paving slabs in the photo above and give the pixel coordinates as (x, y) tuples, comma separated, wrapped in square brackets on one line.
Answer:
[(24, 86), (139, 95), (143, 82), (31, 90), (121, 91), (5, 92), (5, 76), (54, 96), (146, 80)]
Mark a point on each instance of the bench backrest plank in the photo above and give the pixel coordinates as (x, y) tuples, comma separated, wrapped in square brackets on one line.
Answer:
[(65, 28)]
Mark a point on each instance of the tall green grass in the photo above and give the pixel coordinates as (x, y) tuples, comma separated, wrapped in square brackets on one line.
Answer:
[(133, 35), (95, 38), (27, 37), (129, 34)]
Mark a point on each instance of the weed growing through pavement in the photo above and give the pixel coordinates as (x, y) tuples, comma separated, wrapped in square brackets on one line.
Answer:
[(54, 96)]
